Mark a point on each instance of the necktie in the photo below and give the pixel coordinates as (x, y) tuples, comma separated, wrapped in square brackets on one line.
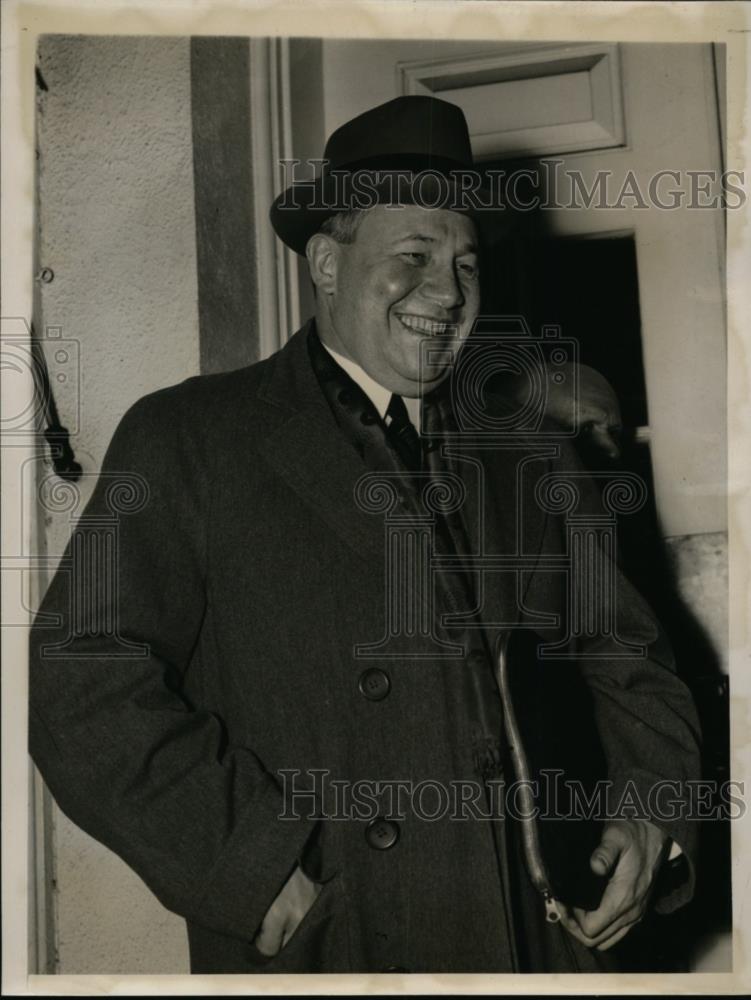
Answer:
[(408, 452), (402, 434)]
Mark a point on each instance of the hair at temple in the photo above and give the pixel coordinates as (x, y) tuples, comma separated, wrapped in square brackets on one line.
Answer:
[(344, 225)]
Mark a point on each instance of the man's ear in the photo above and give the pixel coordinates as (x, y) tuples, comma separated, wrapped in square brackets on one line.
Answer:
[(323, 253)]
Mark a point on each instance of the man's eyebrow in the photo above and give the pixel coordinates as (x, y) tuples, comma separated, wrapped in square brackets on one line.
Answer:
[(422, 237), (415, 236)]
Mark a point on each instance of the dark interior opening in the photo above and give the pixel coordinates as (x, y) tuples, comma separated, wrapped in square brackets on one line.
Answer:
[(588, 286)]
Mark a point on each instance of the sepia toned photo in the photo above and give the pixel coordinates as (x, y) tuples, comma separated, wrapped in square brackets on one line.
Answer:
[(375, 505)]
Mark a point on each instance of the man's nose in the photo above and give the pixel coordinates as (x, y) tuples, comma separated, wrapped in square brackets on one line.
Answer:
[(441, 286)]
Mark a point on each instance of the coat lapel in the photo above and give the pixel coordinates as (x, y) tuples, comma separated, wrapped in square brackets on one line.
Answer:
[(308, 450), (501, 520)]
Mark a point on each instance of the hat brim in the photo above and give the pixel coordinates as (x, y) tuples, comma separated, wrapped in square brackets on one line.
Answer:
[(300, 211)]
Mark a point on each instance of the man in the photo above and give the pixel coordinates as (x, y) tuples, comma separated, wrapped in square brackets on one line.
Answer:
[(226, 713)]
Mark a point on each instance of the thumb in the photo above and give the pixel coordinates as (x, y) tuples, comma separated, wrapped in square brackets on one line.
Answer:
[(605, 855), (271, 937), (604, 441)]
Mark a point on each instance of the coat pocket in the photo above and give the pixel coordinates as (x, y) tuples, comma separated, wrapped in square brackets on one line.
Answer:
[(319, 942)]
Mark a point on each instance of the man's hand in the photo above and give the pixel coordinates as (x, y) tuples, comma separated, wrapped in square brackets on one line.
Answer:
[(597, 416), (633, 851), (284, 915)]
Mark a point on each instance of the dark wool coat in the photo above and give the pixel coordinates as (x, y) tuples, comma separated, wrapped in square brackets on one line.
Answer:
[(245, 577)]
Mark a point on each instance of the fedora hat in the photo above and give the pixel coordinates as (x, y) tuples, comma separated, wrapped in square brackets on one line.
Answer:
[(411, 150)]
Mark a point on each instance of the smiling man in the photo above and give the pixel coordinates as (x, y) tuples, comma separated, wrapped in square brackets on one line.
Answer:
[(242, 735), (407, 274)]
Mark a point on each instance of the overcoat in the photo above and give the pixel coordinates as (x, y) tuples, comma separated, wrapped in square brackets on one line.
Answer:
[(211, 668)]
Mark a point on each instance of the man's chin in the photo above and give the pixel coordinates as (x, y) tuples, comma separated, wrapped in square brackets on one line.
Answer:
[(414, 386), (416, 376)]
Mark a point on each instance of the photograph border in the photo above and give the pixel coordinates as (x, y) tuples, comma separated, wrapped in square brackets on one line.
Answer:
[(22, 24)]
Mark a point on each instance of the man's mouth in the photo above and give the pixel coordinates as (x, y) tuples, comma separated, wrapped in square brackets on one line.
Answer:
[(424, 325)]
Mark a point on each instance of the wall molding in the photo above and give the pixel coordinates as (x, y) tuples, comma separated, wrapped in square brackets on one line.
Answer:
[(529, 103), (271, 140)]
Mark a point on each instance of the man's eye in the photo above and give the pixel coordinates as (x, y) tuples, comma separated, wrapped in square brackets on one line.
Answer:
[(469, 269), (414, 256)]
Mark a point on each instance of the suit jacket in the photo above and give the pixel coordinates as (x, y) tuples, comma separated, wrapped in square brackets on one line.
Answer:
[(169, 716)]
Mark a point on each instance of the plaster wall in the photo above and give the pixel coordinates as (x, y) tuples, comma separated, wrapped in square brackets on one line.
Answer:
[(117, 232)]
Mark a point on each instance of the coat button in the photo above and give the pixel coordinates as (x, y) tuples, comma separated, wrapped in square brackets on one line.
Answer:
[(395, 968), (374, 684), (381, 834)]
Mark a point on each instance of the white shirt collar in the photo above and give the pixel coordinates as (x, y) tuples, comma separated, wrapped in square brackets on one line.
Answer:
[(379, 397)]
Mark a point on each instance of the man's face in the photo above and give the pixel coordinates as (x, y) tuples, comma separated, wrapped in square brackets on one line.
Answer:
[(411, 274)]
